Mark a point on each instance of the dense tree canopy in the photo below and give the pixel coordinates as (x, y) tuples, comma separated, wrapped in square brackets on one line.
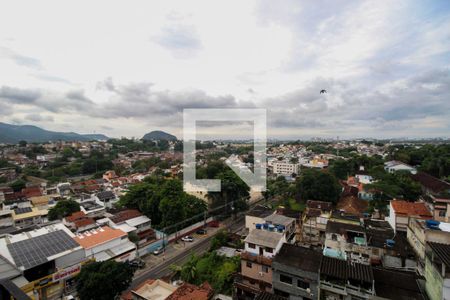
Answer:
[(62, 209), (103, 280), (164, 201), (215, 269), (317, 185), (233, 195)]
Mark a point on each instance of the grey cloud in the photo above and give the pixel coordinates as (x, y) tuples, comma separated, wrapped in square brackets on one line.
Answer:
[(19, 96), (21, 60), (39, 118), (182, 40)]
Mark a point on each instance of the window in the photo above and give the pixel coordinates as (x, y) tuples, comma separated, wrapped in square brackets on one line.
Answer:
[(269, 250), (249, 264), (285, 279), (442, 213), (265, 269), (302, 284), (250, 245), (334, 237)]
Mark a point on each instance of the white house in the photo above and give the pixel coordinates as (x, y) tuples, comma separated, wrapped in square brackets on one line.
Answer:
[(394, 166)]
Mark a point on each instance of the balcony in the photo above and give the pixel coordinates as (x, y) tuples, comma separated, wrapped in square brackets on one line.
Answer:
[(259, 259)]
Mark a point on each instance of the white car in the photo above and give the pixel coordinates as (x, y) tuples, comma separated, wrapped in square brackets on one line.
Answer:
[(187, 238)]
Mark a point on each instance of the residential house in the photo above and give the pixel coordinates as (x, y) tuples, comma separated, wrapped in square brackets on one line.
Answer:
[(437, 271), (420, 232), (256, 216), (314, 222), (161, 290), (261, 245), (107, 243), (340, 279), (346, 241), (394, 166), (401, 211), (296, 272), (397, 284)]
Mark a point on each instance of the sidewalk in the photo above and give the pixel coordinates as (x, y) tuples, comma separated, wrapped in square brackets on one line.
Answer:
[(174, 249)]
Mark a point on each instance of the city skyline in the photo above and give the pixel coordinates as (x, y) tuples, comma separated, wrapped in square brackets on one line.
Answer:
[(127, 70)]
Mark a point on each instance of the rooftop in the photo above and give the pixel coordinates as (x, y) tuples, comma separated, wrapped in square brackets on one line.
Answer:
[(345, 270), (430, 182), (411, 208), (319, 204), (36, 247), (395, 284), (442, 251), (94, 238), (264, 238), (277, 219), (75, 216), (260, 211), (299, 257), (341, 228), (124, 215), (155, 290)]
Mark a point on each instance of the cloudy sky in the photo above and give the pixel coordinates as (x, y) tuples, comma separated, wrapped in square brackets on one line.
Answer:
[(126, 68)]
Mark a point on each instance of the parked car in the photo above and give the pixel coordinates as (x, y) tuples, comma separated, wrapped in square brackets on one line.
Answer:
[(158, 251), (201, 231), (187, 239), (137, 263)]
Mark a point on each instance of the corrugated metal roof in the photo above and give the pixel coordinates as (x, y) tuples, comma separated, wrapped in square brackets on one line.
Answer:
[(442, 251), (345, 270), (7, 269)]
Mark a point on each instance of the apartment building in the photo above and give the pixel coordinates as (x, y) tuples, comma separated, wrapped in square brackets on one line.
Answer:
[(261, 245)]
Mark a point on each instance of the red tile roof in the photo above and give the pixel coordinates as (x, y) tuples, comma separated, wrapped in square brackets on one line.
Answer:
[(124, 215), (105, 234), (83, 222), (192, 292), (411, 208), (75, 216), (432, 183)]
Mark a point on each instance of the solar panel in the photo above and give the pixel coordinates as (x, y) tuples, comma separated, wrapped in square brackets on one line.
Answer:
[(34, 251), (22, 210)]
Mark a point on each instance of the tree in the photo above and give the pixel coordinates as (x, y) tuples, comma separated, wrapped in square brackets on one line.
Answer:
[(340, 168), (18, 185), (22, 143), (318, 185), (233, 195), (103, 280), (219, 240), (62, 209)]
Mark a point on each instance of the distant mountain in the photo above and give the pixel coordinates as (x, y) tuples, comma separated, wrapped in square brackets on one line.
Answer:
[(14, 133), (97, 137), (159, 135)]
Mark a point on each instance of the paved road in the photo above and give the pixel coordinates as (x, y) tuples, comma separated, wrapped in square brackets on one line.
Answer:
[(200, 247)]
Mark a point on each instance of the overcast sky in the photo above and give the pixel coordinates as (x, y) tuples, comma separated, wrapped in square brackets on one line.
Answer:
[(126, 68)]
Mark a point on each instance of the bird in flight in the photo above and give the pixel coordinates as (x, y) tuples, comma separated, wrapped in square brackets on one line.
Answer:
[(323, 91)]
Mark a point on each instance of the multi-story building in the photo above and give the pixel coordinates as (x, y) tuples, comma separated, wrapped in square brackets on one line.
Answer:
[(346, 241), (314, 222), (437, 271), (295, 272), (49, 258), (340, 279), (261, 245), (285, 168), (421, 232)]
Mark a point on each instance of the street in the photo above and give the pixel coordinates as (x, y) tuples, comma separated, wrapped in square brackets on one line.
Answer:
[(178, 255)]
